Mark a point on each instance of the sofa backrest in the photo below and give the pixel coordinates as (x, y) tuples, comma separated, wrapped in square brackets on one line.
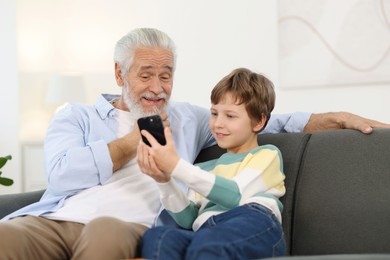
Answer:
[(342, 202), (292, 147)]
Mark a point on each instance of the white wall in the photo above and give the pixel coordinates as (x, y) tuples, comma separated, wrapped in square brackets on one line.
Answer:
[(212, 37), (9, 113)]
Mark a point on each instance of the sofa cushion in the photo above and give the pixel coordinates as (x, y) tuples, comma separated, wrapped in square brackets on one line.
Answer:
[(342, 194), (12, 202)]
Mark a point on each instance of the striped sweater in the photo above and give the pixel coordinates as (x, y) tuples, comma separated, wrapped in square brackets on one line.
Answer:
[(224, 183)]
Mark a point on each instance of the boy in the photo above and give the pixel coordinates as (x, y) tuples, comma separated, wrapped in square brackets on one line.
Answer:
[(233, 206)]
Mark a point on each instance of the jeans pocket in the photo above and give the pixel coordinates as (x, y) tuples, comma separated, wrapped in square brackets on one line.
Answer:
[(260, 208)]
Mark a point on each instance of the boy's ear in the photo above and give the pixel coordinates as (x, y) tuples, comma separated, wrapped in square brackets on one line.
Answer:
[(260, 124), (118, 75)]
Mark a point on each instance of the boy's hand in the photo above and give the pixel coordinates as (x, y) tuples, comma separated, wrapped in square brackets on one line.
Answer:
[(158, 161), (148, 166)]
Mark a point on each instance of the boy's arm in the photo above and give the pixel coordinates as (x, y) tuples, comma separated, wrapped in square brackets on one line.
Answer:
[(182, 210), (259, 173)]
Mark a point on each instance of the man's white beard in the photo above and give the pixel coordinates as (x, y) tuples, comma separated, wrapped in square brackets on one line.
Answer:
[(135, 107)]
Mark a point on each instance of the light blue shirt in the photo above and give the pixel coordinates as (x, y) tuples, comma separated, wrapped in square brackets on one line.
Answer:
[(77, 155)]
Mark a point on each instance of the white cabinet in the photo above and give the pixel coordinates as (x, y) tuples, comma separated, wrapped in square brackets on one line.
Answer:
[(33, 167)]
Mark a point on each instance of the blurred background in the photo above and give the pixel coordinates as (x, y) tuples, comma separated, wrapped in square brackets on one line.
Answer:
[(322, 55)]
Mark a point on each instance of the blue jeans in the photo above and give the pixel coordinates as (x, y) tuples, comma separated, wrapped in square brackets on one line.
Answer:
[(246, 232)]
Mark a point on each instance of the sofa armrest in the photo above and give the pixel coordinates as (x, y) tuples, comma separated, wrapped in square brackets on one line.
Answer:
[(12, 202)]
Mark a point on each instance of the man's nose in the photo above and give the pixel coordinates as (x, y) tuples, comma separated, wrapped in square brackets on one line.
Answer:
[(156, 86)]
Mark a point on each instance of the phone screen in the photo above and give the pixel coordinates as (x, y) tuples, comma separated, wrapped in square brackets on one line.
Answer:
[(154, 125)]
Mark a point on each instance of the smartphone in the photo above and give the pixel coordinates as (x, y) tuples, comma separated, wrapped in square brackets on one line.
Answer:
[(154, 125)]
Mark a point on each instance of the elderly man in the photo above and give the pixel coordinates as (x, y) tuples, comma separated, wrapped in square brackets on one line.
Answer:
[(98, 204)]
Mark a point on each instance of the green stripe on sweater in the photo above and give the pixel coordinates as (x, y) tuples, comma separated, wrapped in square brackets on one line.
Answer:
[(186, 217), (226, 189)]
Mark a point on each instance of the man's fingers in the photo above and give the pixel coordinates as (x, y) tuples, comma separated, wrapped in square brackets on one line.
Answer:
[(164, 118), (377, 124), (364, 125), (365, 129), (168, 135)]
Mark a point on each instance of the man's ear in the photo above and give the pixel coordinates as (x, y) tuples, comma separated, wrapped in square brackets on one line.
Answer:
[(260, 124), (118, 75)]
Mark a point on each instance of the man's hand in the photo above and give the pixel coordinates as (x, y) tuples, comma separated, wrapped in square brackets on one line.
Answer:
[(164, 118), (342, 120), (124, 149)]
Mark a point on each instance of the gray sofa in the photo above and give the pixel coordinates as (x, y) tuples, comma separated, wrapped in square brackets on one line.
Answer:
[(337, 203)]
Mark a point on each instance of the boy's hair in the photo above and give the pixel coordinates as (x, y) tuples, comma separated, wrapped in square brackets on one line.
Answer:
[(253, 90)]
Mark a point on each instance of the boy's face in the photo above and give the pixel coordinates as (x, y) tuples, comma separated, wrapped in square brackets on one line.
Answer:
[(232, 127)]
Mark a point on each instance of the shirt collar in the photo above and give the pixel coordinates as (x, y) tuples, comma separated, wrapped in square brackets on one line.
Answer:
[(103, 105)]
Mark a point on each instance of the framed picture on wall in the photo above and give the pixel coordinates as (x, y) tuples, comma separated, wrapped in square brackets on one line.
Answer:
[(324, 43)]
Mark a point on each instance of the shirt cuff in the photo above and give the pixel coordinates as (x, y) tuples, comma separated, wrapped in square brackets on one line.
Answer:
[(167, 187), (181, 170), (102, 159), (172, 196), (287, 123)]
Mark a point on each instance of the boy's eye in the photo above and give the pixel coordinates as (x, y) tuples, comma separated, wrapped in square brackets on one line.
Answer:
[(213, 113)]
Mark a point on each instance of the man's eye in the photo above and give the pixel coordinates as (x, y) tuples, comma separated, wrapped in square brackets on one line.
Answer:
[(165, 77)]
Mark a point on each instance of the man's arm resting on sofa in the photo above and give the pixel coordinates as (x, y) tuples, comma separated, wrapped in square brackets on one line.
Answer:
[(12, 202), (342, 120)]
